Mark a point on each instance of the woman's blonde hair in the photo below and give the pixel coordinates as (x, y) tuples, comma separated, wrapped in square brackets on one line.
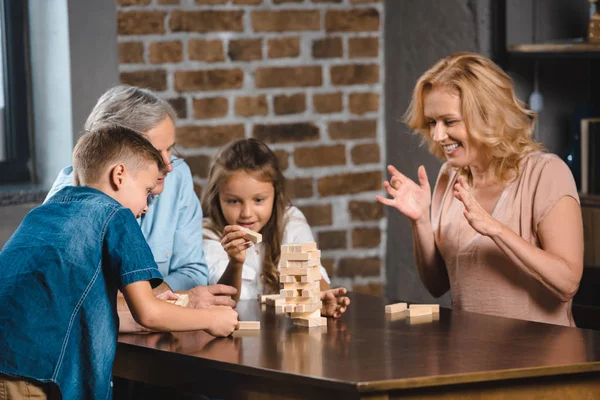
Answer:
[(257, 159), (492, 113)]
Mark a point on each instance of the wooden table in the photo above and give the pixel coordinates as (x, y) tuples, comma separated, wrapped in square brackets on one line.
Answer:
[(366, 354)]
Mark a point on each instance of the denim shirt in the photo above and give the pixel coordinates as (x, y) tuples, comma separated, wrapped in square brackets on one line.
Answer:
[(59, 275), (172, 227)]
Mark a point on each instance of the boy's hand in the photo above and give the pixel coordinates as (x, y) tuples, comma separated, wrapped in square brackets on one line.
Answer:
[(213, 295), (224, 320), (235, 244), (334, 302)]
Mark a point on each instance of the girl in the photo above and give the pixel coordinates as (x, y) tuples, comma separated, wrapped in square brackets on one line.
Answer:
[(247, 189)]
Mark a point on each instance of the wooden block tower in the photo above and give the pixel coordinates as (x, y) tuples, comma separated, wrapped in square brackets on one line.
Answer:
[(300, 278)]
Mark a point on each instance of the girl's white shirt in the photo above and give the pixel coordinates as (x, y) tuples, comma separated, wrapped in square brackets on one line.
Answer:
[(296, 230)]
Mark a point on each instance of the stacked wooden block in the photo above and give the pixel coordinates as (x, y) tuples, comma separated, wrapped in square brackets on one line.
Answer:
[(300, 278)]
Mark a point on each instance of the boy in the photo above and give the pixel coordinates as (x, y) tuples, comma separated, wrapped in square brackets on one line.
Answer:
[(61, 269)]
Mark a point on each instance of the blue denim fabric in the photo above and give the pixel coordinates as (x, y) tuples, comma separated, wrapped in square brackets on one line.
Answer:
[(59, 275), (172, 227)]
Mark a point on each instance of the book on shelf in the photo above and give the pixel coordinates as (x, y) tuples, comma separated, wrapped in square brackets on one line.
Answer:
[(590, 156)]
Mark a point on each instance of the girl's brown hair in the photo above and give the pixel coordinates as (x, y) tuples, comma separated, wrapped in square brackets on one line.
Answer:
[(492, 113), (255, 158)]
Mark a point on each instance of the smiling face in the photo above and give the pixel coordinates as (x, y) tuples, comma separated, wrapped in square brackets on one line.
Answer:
[(162, 137), (447, 128), (137, 184), (246, 201)]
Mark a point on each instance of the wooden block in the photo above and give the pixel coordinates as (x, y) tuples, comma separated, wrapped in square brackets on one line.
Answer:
[(264, 297), (416, 312), (302, 285), (248, 325), (307, 315), (303, 300), (309, 323), (182, 301), (298, 264), (287, 293), (280, 309), (310, 292), (309, 255), (288, 279), (289, 308), (311, 272), (298, 248), (308, 307), (397, 307), (252, 236), (420, 319), (435, 308)]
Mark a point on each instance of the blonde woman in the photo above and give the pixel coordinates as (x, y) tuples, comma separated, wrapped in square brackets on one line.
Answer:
[(503, 229)]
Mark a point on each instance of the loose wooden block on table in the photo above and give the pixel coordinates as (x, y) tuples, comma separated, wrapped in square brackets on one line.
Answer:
[(416, 312), (420, 319), (397, 307), (252, 236), (248, 325), (435, 308), (182, 301)]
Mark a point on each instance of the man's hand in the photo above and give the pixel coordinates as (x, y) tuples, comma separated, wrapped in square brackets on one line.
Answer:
[(213, 295)]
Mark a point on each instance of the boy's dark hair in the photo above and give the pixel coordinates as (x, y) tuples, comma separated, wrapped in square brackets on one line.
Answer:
[(97, 149)]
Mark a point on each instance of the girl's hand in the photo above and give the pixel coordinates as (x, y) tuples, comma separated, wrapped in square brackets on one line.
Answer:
[(334, 302), (409, 198), (234, 244), (223, 321), (478, 218)]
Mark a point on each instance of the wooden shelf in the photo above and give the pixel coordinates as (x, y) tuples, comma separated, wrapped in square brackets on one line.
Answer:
[(566, 48)]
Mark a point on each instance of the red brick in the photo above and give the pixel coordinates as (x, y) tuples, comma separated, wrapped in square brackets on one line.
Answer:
[(286, 1), (284, 47), (300, 188), (206, 21), (366, 153), (354, 129), (215, 79), (292, 104), (214, 107), (361, 103), (154, 79), (326, 1), (365, 210), (331, 240), (350, 183), (288, 20), (179, 104), (328, 103), (245, 49), (328, 264), (327, 48), (247, 2), (354, 20), (299, 76), (250, 106), (355, 74), (372, 289), (209, 136), (200, 165), (364, 1), (131, 53), (141, 22), (363, 47), (318, 215), (211, 2), (206, 50), (168, 1), (350, 267), (283, 158), (166, 52), (366, 237), (306, 157), (285, 133)]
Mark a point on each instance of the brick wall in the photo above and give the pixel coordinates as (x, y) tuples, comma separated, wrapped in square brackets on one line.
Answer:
[(305, 77)]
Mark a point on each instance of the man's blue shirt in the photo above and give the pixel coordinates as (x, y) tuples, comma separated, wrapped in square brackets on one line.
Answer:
[(172, 227), (59, 275)]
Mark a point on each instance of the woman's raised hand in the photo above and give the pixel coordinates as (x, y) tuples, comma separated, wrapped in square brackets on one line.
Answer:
[(409, 198), (235, 244)]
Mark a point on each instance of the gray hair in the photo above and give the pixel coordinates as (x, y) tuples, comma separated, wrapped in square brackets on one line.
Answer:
[(131, 107)]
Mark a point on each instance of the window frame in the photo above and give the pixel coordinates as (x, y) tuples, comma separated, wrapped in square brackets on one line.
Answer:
[(18, 165)]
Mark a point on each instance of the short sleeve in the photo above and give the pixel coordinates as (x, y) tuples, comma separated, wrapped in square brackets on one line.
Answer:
[(555, 182), (297, 230), (126, 253)]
